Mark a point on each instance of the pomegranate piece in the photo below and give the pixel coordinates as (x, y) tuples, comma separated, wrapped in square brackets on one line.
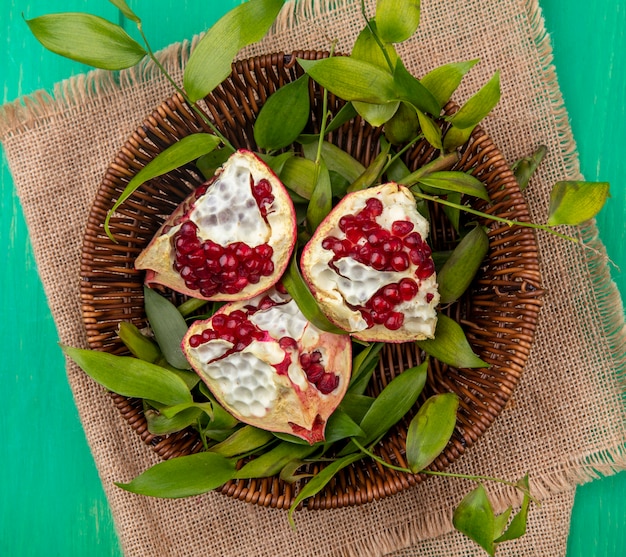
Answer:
[(229, 240), (370, 269), (269, 367)]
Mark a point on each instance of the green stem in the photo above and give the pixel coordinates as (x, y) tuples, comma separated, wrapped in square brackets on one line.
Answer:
[(470, 477), (376, 38), (443, 162), (402, 151), (181, 92), (494, 218)]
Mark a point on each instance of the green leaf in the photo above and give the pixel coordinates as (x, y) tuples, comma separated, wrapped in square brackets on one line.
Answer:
[(87, 39), (294, 283), (210, 62), (471, 113), (501, 520), (351, 79), (137, 343), (158, 424), (431, 131), (376, 114), (183, 476), (394, 401), (356, 406), (245, 440), (336, 159), (368, 49), (130, 376), (209, 163), (576, 202), (443, 81), (363, 366), (397, 20), (319, 481), (345, 114), (321, 201), (517, 527), (525, 167), (450, 345), (404, 126), (273, 461), (454, 180), (372, 173), (430, 430), (340, 426), (182, 152), (125, 9), (410, 89), (479, 105), (298, 174), (474, 517), (168, 325), (459, 270), (284, 115)]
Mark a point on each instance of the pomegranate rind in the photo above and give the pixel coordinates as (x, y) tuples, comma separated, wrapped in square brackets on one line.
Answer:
[(264, 384), (157, 259), (322, 279)]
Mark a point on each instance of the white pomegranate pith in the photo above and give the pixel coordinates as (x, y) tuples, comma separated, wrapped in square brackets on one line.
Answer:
[(370, 269), (270, 367), (231, 239)]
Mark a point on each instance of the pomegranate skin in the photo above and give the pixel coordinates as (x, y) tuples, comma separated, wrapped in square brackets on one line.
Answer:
[(231, 239), (370, 269), (269, 367)]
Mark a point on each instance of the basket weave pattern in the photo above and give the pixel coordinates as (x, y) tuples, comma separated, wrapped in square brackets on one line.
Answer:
[(499, 313)]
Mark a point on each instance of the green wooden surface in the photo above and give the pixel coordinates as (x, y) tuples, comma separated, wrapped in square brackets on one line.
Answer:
[(51, 500)]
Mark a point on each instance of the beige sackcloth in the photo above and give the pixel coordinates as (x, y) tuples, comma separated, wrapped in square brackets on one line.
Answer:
[(565, 423)]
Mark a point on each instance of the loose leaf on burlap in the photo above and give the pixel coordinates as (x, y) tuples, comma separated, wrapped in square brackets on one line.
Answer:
[(475, 518), (130, 376), (182, 152), (430, 430), (397, 20), (210, 61), (517, 527), (284, 115), (168, 325), (450, 345), (524, 168), (574, 202), (88, 39), (184, 476)]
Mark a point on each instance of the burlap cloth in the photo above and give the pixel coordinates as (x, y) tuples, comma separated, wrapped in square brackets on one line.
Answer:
[(565, 423)]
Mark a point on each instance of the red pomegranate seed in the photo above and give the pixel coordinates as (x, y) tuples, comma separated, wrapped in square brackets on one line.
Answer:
[(394, 320), (429, 297), (379, 303), (413, 240), (374, 207), (391, 293), (401, 227), (314, 372), (400, 262), (378, 261), (328, 383), (195, 341), (417, 256), (408, 289), (425, 270), (377, 237), (305, 360), (288, 343)]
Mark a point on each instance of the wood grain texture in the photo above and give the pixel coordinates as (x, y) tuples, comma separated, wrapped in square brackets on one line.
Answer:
[(52, 501)]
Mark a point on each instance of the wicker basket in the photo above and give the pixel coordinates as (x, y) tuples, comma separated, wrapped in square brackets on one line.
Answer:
[(499, 313)]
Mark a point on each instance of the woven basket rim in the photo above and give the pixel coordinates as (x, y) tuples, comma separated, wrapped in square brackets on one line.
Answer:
[(509, 289)]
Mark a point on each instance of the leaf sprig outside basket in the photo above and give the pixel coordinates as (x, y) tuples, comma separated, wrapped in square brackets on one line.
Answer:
[(375, 84)]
